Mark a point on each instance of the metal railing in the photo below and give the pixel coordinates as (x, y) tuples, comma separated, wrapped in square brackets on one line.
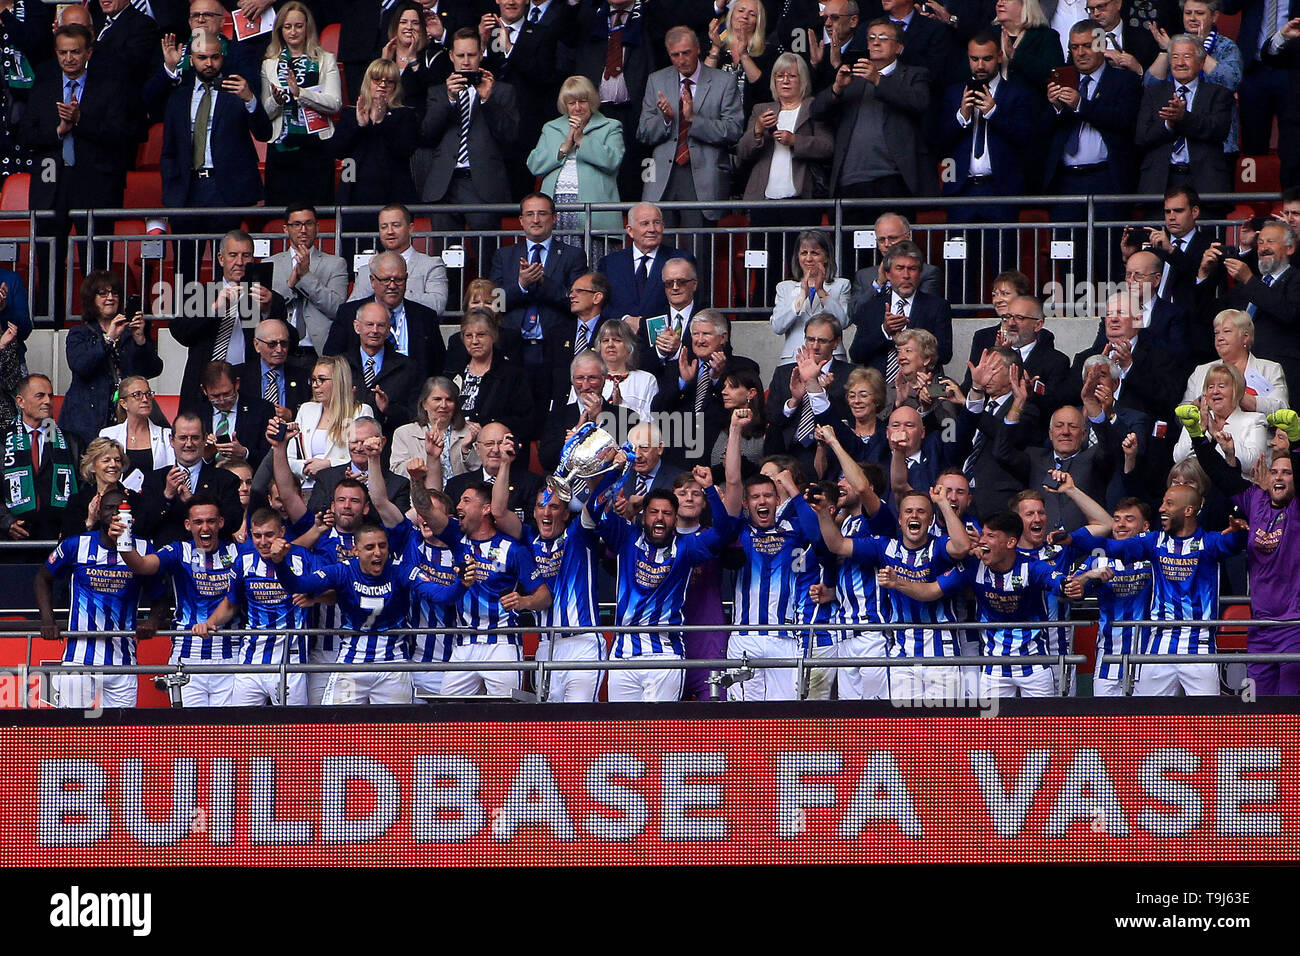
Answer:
[(1061, 240)]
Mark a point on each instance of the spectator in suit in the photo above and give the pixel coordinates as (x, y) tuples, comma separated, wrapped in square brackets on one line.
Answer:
[(1270, 296), (1240, 436), (870, 281), (439, 417), (626, 386), (692, 386), (672, 329), (387, 379), (166, 491), (219, 332), (985, 122), (987, 407), (376, 140), (203, 17), (524, 484), (77, 128), (39, 468), (785, 149), (1006, 288), (415, 329), (583, 403), (1281, 69), (235, 429), (536, 276), (207, 156), (357, 467), (650, 472), (363, 35), (576, 334), (635, 272), (1264, 92), (917, 455), (927, 44), (426, 276), (902, 306), (1182, 125), (1179, 247), (1223, 65), (877, 106), (301, 93), (1091, 147), (147, 444), (1265, 384), (690, 116), (127, 38), (1128, 48), (274, 374), (838, 39), (521, 52), (1150, 379), (793, 417), (491, 387), (1168, 323), (312, 283), (578, 155), (1022, 329), (738, 46), (612, 50), (105, 349), (815, 291), (467, 164)]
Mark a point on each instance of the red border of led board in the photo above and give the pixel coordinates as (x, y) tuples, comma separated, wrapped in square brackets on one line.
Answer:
[(946, 789)]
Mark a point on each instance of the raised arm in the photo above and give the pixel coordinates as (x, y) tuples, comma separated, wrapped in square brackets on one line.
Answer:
[(959, 542), (506, 520), (1098, 521), (282, 474), (853, 472), (733, 491), (389, 513)]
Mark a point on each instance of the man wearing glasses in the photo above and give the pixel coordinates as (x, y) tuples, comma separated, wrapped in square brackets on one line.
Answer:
[(837, 41), (414, 327), (1129, 49), (524, 484), (274, 375), (313, 283), (672, 328)]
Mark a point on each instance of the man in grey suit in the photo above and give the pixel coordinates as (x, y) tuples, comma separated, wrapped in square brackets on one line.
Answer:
[(313, 283), (691, 116), (877, 106), (426, 276), (466, 126)]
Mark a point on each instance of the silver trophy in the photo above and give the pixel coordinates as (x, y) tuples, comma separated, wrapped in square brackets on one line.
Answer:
[(589, 452)]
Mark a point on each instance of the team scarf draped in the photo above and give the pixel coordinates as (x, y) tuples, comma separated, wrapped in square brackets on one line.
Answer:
[(306, 73), (20, 477)]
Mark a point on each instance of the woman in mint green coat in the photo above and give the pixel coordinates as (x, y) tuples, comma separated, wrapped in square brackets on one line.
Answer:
[(578, 156)]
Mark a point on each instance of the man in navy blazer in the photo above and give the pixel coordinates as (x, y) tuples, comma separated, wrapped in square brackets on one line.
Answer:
[(1263, 93), (1166, 322), (225, 172), (237, 424), (927, 43), (879, 319), (984, 130), (629, 70)]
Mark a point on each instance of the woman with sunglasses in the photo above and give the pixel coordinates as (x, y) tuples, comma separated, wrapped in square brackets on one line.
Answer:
[(148, 445)]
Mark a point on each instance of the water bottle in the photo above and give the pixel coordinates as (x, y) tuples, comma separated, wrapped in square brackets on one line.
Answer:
[(127, 540)]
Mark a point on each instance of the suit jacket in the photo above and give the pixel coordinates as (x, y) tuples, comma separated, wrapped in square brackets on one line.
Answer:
[(251, 418), (1153, 385), (322, 494), (905, 94), (100, 140), (399, 379), (315, 300), (1184, 263), (426, 281), (1112, 111), (492, 126), (1006, 132), (1046, 362), (1252, 20), (45, 522), (234, 160), (864, 289), (1169, 326), (929, 312), (993, 484), (564, 264), (928, 45), (524, 486), (1205, 127), (782, 428), (592, 40), (131, 42), (673, 398), (163, 521), (1092, 469), (297, 382), (424, 343), (503, 396), (560, 419), (620, 269), (198, 333), (719, 119), (814, 142), (363, 33), (531, 71)]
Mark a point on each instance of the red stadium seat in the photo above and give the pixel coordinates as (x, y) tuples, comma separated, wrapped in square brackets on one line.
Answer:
[(14, 193), (1228, 25), (143, 190), (149, 154), (1085, 643), (1233, 638), (156, 650), (329, 38), (1258, 174)]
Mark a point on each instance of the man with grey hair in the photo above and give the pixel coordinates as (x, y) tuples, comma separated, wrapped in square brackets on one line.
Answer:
[(358, 467), (584, 404), (869, 281), (1271, 297), (1182, 124), (691, 387), (1150, 377)]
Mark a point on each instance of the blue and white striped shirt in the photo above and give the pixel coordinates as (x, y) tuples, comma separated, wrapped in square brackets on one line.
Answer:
[(201, 581), (105, 596)]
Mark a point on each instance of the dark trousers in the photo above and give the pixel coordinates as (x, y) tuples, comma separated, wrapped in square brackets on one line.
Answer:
[(631, 169), (462, 191), (1262, 92), (72, 191), (1107, 261)]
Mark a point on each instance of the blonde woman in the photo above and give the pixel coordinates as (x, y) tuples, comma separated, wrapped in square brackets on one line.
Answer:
[(1234, 339), (739, 48), (102, 465), (578, 155), (147, 445), (301, 92), (378, 136), (1031, 49), (1241, 436), (322, 441)]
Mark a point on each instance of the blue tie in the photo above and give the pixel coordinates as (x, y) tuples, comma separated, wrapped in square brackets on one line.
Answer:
[(1072, 144), (1180, 143), (69, 145), (532, 325)]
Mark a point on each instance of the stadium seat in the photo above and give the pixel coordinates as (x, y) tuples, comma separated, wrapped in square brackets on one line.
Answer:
[(1265, 175), (143, 190), (329, 38), (14, 193), (1229, 25), (149, 154), (153, 651), (1233, 638), (1085, 643)]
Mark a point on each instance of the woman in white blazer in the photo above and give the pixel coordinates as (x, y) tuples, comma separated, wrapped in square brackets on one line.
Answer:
[(148, 445), (1246, 434), (1234, 337), (814, 290), (323, 439), (301, 91)]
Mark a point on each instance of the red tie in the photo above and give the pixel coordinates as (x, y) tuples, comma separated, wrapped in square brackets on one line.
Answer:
[(36, 451), (683, 156), (614, 48)]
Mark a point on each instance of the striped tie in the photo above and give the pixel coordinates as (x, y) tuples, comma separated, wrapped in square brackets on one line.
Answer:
[(271, 391), (462, 154), (581, 340), (1180, 144), (891, 359), (701, 387), (221, 347), (143, 7), (683, 155), (368, 373), (803, 432)]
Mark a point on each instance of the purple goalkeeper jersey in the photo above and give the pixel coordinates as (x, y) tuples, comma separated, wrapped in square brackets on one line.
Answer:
[(1273, 554)]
